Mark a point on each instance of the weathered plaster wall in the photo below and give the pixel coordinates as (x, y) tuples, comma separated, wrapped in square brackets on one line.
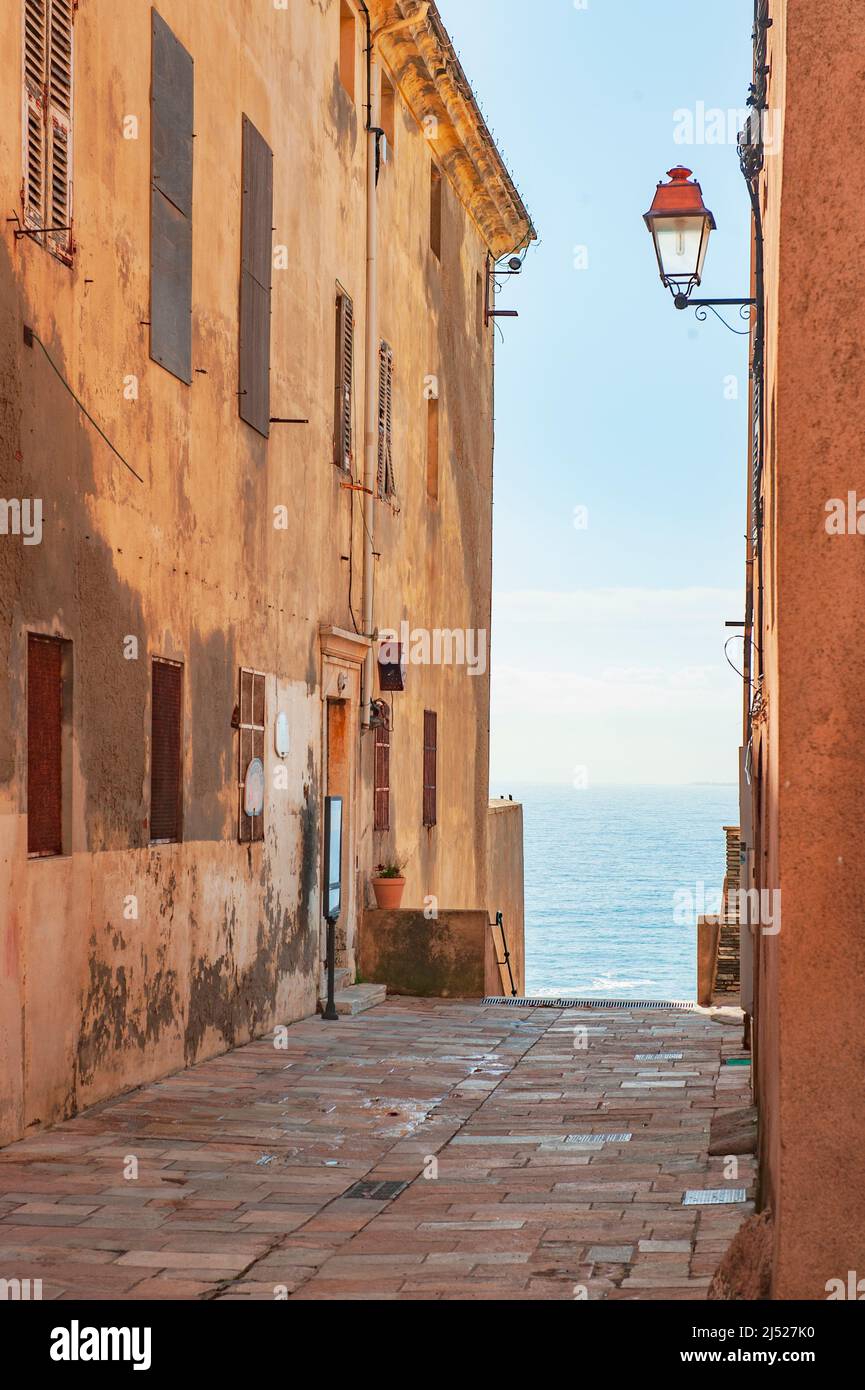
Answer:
[(442, 958), (226, 941)]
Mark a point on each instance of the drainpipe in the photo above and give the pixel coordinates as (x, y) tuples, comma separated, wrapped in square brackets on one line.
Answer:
[(374, 133)]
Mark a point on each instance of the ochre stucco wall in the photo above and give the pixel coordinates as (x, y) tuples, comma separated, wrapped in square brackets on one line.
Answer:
[(227, 938), (810, 1042)]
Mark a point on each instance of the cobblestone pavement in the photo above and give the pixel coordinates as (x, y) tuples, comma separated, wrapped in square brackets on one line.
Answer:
[(244, 1163)]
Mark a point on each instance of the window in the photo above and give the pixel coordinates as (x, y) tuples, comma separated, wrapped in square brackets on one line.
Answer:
[(480, 310), (344, 375), (171, 110), (432, 448), (250, 746), (47, 182), (435, 212), (347, 47), (388, 113), (430, 755), (166, 725), (45, 744), (256, 260), (386, 488), (381, 813)]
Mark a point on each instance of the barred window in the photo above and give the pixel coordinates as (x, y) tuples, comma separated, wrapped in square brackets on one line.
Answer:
[(166, 735), (250, 746), (430, 760), (381, 812)]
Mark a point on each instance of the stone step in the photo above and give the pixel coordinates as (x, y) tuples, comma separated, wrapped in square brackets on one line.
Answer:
[(356, 998), (342, 977)]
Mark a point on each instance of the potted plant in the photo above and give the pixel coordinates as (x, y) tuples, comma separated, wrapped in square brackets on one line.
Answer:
[(388, 885)]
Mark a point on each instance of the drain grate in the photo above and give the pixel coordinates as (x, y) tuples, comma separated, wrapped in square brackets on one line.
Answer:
[(659, 1057), (596, 1140), (713, 1196), (532, 1003), (376, 1191)]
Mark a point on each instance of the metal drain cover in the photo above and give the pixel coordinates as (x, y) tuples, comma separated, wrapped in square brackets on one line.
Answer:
[(713, 1196), (376, 1191), (659, 1057), (595, 1140)]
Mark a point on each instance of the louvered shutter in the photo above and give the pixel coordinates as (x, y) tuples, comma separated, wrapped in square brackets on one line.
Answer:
[(256, 262), (44, 745), (59, 94), (430, 758), (165, 750), (344, 379), (35, 68), (381, 809), (386, 486), (250, 745), (171, 141)]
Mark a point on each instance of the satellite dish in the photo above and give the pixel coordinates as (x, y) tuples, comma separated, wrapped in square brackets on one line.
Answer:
[(281, 739)]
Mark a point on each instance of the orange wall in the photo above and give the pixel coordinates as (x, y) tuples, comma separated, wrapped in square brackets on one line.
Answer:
[(811, 977)]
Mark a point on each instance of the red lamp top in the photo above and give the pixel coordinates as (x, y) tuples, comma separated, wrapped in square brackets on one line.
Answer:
[(681, 197)]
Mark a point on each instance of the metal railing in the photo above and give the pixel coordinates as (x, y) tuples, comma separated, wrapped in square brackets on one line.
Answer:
[(506, 960)]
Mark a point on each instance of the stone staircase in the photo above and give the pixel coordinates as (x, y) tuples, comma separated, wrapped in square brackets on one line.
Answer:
[(353, 999)]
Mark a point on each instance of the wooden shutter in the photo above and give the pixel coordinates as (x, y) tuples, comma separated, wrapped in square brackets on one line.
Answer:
[(256, 261), (386, 486), (250, 745), (59, 96), (35, 133), (44, 745), (344, 379), (171, 116), (381, 809), (165, 750), (430, 757)]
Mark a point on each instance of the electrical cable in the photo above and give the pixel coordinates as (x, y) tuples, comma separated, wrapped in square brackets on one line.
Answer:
[(83, 407)]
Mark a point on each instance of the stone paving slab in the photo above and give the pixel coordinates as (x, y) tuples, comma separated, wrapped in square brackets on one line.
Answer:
[(228, 1180)]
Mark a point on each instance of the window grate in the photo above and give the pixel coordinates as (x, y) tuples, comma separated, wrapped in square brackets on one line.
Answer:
[(430, 759), (250, 745), (165, 751), (44, 745), (381, 809)]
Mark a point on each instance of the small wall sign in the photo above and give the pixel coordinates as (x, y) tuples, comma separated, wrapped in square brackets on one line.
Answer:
[(253, 788)]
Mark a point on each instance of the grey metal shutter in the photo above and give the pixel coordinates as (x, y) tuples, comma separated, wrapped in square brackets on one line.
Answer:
[(256, 261), (171, 114)]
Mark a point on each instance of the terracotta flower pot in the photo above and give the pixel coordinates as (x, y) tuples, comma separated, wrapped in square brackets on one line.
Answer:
[(388, 893)]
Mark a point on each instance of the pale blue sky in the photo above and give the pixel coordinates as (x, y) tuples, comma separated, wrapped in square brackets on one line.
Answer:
[(609, 398)]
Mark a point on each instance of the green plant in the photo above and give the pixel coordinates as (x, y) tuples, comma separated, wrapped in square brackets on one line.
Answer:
[(392, 869)]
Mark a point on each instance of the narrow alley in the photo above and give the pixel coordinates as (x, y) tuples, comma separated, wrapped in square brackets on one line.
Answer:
[(233, 1179)]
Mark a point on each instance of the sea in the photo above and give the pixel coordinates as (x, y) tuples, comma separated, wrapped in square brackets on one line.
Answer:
[(615, 878)]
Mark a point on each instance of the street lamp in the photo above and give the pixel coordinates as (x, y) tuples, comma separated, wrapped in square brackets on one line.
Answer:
[(681, 224)]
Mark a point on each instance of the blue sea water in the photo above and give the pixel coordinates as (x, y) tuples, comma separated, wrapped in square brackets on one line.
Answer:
[(602, 868)]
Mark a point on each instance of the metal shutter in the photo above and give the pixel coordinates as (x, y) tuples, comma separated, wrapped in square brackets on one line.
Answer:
[(35, 134), (381, 809), (171, 113), (430, 755), (386, 487), (165, 750), (44, 745), (59, 94), (344, 378), (256, 260)]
